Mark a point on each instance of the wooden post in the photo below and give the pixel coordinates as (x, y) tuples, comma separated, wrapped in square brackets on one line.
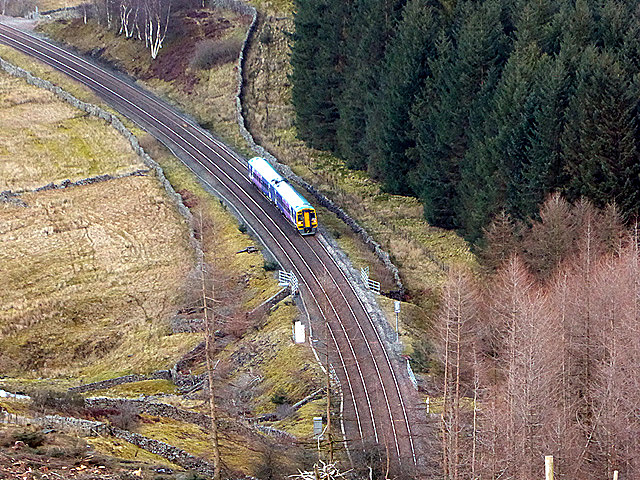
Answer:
[(548, 467), (428, 401), (615, 475)]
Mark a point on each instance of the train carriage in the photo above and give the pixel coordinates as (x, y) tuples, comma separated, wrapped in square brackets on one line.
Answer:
[(295, 208)]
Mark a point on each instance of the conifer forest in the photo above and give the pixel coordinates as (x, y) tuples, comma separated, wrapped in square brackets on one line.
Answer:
[(476, 107), (516, 123)]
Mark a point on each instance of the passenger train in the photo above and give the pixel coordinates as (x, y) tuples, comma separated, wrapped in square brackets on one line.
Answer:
[(293, 206)]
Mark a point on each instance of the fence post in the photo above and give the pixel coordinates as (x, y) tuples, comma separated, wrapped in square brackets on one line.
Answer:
[(615, 475), (548, 467)]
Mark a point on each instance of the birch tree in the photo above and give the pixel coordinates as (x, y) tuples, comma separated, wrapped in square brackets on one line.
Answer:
[(157, 15)]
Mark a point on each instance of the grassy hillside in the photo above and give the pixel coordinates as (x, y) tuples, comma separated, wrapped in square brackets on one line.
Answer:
[(395, 221), (44, 140), (101, 268), (206, 91), (421, 251), (91, 268)]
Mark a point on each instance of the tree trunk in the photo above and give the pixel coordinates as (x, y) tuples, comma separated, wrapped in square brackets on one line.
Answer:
[(209, 319)]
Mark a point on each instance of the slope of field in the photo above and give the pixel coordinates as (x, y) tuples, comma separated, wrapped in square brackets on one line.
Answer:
[(89, 269), (90, 297), (45, 140)]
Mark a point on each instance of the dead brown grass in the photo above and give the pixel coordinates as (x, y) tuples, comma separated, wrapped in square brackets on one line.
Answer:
[(43, 138), (92, 272)]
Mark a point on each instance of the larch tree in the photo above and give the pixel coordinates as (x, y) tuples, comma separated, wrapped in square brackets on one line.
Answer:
[(456, 326)]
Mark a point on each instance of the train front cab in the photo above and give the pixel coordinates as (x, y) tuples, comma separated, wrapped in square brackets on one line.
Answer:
[(307, 221)]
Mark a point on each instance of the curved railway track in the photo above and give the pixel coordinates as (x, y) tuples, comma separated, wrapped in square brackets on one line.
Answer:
[(380, 407)]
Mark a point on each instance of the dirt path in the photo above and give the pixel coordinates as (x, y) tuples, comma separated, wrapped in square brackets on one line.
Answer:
[(19, 22)]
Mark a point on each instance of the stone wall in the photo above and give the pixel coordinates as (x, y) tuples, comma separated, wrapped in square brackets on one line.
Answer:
[(79, 426), (112, 382), (160, 409), (262, 309), (173, 454), (89, 428), (157, 409), (64, 13)]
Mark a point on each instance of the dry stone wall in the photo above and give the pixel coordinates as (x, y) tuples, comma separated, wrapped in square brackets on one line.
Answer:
[(87, 428), (112, 382), (157, 409), (173, 454)]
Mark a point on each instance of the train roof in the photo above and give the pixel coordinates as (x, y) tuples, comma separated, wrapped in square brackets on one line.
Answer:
[(265, 169), (288, 193)]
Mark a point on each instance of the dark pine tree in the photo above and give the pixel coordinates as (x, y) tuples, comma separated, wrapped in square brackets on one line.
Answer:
[(316, 69), (366, 37), (600, 137), (465, 70), (405, 70), (544, 171)]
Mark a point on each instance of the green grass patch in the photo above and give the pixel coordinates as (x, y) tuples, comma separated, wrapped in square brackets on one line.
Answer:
[(300, 423), (115, 447)]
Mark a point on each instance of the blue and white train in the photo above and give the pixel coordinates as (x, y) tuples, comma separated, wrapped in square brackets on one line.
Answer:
[(293, 206)]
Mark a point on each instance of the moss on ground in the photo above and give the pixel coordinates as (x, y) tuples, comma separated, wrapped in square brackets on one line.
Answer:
[(300, 423), (238, 454)]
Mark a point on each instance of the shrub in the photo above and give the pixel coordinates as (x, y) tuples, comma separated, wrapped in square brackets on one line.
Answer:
[(126, 418), (270, 266), (65, 401), (33, 439), (17, 8), (279, 397), (210, 53), (266, 37)]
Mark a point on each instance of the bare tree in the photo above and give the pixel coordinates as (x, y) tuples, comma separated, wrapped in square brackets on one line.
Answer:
[(208, 299), (456, 324), (129, 10), (157, 15)]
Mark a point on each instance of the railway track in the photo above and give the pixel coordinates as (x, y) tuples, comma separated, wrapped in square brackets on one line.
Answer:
[(380, 408)]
